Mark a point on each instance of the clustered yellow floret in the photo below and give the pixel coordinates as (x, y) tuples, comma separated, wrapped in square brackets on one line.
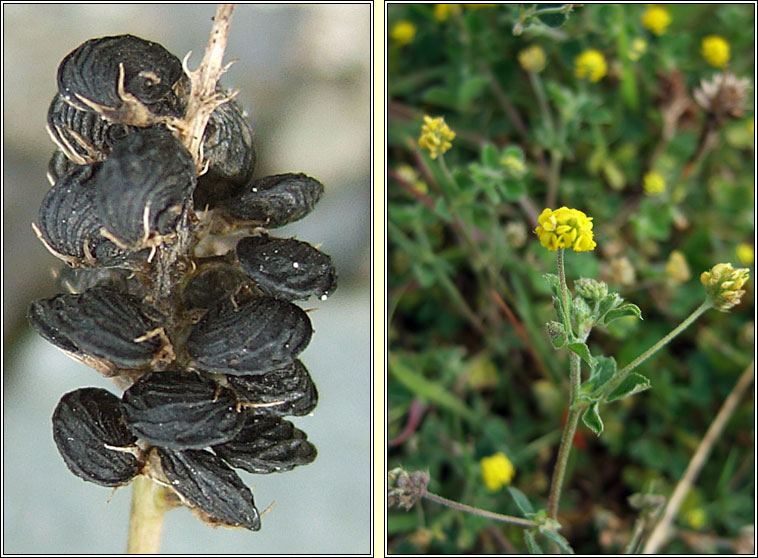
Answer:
[(565, 228), (497, 471), (745, 253), (656, 19), (653, 183), (715, 50), (403, 32), (590, 65), (532, 59), (723, 284), (436, 136)]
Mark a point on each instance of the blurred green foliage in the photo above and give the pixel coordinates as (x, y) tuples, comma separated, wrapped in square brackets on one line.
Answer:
[(467, 302)]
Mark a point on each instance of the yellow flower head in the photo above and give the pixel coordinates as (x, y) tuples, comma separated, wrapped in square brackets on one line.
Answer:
[(442, 12), (695, 518), (532, 59), (565, 228), (403, 32), (677, 269), (653, 184), (656, 19), (745, 253), (723, 283), (715, 50), (409, 174), (497, 471), (436, 136), (637, 49), (590, 65)]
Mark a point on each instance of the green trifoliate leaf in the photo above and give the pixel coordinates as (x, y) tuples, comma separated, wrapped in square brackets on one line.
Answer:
[(559, 540), (633, 383), (554, 282), (522, 502), (559, 311), (583, 351), (608, 303), (591, 418), (604, 370), (531, 542), (557, 334), (621, 312)]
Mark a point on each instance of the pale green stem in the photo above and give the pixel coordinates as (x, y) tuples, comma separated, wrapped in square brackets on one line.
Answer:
[(567, 439), (564, 290), (146, 516), (476, 511), (610, 386)]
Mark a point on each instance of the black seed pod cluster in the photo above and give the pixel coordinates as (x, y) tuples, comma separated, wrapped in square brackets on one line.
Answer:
[(203, 336)]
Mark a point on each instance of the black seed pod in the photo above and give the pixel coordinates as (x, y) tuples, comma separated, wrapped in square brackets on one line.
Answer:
[(287, 268), (69, 224), (146, 182), (85, 137), (181, 410), (92, 71), (276, 200), (58, 166), (99, 322), (76, 281), (87, 421), (249, 337), (211, 286), (267, 445), (229, 149), (285, 391), (206, 482)]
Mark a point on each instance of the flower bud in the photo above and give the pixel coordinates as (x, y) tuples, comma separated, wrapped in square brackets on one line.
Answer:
[(590, 289)]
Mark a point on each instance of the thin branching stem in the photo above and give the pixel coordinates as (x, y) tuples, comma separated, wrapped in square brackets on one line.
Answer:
[(481, 513)]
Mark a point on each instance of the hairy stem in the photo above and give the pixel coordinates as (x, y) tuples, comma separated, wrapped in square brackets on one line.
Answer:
[(567, 438), (476, 511), (610, 386)]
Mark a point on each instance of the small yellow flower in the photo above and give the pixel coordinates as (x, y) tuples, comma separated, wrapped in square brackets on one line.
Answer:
[(695, 518), (677, 269), (715, 50), (637, 49), (565, 228), (653, 184), (436, 136), (442, 12), (656, 19), (409, 174), (723, 283), (532, 59), (745, 253), (497, 471), (403, 32), (590, 65), (751, 125)]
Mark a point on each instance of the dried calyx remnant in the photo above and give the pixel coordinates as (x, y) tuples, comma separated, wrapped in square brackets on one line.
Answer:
[(191, 313)]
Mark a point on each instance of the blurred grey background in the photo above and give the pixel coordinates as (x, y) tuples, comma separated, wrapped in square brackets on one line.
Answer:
[(303, 75)]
